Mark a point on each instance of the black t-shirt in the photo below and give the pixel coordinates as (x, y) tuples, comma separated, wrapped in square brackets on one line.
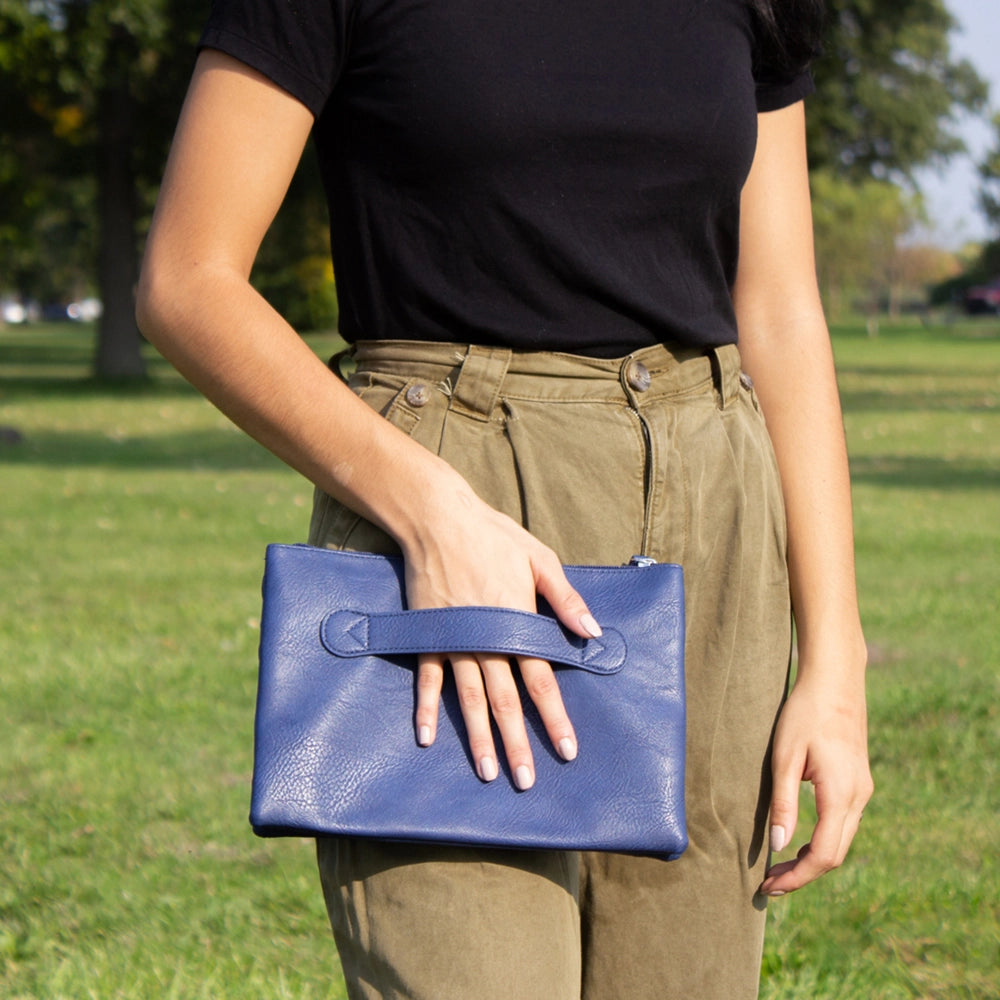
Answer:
[(543, 175)]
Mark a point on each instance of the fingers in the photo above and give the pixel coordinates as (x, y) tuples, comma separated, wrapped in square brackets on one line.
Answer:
[(482, 689), (835, 830), (784, 802), (486, 688), (569, 607), (485, 683), (430, 677), (825, 852), (543, 689)]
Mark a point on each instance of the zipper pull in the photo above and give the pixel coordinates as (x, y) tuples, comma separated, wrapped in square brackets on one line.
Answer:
[(641, 561)]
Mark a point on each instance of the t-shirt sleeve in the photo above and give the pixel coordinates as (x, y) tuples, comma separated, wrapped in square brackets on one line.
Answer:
[(298, 44), (775, 92)]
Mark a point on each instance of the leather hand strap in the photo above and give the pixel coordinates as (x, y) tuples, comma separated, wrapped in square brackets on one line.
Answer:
[(470, 630)]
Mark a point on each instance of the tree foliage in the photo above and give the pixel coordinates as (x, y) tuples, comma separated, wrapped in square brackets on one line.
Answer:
[(857, 227), (92, 87), (44, 242), (89, 94), (888, 89), (90, 91), (989, 171)]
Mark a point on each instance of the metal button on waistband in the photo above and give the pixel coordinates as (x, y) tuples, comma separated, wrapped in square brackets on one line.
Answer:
[(746, 381), (637, 375), (418, 395)]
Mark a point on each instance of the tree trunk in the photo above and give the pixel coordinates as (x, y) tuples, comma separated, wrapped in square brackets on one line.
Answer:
[(119, 354)]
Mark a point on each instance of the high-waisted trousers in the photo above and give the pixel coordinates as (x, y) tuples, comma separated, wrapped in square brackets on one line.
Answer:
[(662, 453)]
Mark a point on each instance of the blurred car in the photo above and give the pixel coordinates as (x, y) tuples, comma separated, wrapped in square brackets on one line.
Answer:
[(81, 311), (53, 312), (85, 310), (16, 310), (983, 299)]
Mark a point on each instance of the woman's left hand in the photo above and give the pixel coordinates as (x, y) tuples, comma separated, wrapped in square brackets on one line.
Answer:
[(822, 738)]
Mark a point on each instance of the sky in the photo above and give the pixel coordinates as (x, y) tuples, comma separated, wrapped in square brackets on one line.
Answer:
[(951, 193)]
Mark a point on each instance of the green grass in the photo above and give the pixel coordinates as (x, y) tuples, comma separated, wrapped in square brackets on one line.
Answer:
[(134, 527), (915, 912), (134, 522)]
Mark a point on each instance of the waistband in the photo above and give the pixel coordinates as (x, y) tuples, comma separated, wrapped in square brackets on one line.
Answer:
[(475, 376)]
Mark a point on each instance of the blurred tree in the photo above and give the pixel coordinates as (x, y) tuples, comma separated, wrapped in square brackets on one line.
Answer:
[(89, 96), (857, 226), (918, 266), (44, 245), (888, 89), (989, 171), (91, 90), (915, 271), (978, 264), (293, 270), (982, 260)]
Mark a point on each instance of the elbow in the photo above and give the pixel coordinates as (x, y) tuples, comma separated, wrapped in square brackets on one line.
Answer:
[(152, 297), (165, 299), (180, 300)]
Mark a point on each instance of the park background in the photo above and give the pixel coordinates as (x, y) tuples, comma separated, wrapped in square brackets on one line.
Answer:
[(134, 519)]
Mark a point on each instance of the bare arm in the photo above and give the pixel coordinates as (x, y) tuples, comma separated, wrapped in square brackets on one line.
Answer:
[(821, 735), (237, 145)]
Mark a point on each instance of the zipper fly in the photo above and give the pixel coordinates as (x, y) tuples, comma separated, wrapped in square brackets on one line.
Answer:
[(647, 475)]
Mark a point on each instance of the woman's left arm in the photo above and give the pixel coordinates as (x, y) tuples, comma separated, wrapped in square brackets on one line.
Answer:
[(821, 735)]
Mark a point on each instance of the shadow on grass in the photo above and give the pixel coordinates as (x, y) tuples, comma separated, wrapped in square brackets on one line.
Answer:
[(959, 329), (58, 359), (937, 401), (229, 450), (208, 449), (924, 472), (17, 389)]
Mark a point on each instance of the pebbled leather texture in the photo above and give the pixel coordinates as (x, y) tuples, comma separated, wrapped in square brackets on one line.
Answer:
[(334, 745)]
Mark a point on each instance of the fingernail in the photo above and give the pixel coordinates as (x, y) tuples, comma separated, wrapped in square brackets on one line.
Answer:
[(487, 768), (777, 838), (424, 736), (523, 778), (567, 748), (590, 626), (775, 893)]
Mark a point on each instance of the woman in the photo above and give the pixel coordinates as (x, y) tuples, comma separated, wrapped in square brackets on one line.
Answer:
[(550, 225)]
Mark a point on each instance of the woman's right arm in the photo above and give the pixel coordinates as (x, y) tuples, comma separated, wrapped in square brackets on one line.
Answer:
[(237, 145)]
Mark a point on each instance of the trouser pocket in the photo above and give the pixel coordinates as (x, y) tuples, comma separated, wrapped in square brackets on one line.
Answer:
[(415, 407)]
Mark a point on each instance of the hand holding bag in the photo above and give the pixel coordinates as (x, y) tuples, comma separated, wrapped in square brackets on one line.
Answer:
[(335, 751)]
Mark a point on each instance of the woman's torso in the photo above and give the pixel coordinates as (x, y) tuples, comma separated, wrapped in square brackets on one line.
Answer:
[(552, 175)]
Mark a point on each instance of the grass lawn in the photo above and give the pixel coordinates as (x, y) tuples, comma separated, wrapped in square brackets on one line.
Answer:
[(134, 523), (916, 911)]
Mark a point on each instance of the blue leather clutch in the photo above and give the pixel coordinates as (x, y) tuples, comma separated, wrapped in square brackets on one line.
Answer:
[(334, 745)]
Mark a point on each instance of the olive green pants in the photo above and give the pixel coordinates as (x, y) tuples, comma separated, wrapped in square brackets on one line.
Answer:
[(661, 453)]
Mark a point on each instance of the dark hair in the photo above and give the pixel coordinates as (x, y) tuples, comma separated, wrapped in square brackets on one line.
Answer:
[(789, 32)]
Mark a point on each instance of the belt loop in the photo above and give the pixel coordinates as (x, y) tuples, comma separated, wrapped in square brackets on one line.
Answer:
[(477, 386), (724, 360), (342, 364)]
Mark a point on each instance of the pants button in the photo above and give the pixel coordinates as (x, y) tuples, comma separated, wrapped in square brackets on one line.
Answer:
[(418, 395), (637, 375)]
